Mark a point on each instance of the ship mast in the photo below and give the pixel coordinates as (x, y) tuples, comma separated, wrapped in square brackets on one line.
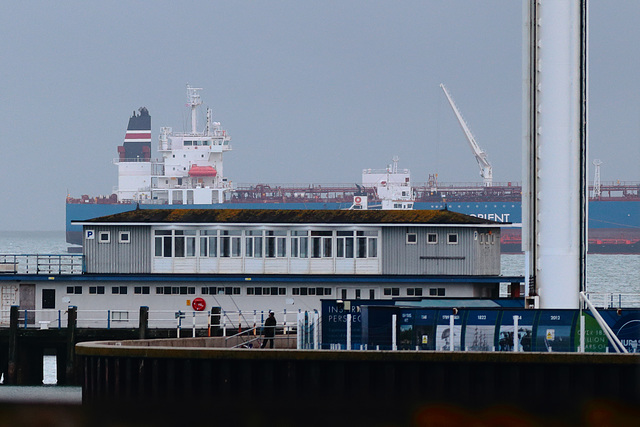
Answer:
[(194, 102)]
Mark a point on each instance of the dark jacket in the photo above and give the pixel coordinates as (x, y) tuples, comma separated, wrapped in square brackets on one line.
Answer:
[(270, 327)]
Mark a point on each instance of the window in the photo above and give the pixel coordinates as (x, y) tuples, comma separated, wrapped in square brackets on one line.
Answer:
[(452, 238), (119, 290), (372, 294), (253, 244), (141, 290), (344, 244), (120, 316), (208, 243), (412, 238), (77, 290), (391, 291), (96, 290), (163, 243), (229, 243), (104, 237), (299, 244), (125, 237), (358, 292), (275, 246), (436, 292), (414, 292), (321, 244), (432, 238)]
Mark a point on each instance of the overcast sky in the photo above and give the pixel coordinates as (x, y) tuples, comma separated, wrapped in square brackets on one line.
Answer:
[(310, 92)]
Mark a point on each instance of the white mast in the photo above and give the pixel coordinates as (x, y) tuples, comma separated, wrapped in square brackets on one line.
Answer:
[(486, 170), (194, 102), (554, 207)]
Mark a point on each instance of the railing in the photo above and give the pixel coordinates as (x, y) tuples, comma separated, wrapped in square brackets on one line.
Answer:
[(229, 322), (41, 264), (614, 300)]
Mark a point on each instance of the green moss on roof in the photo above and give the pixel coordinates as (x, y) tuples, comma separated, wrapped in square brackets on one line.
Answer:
[(292, 216)]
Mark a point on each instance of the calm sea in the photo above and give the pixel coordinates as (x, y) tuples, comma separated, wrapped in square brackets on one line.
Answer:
[(605, 273)]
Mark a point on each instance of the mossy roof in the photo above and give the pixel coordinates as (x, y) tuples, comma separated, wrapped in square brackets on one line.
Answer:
[(291, 216)]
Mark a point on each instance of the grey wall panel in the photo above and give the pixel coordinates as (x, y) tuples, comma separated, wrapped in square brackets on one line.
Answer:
[(465, 257), (117, 257)]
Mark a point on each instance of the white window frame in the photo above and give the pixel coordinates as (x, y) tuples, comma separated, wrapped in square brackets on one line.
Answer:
[(449, 242), (430, 242), (103, 233), (124, 233), (415, 238)]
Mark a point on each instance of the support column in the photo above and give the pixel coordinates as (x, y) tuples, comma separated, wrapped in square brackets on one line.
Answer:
[(71, 343)]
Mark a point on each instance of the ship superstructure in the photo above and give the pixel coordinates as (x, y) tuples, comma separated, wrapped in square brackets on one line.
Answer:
[(190, 171)]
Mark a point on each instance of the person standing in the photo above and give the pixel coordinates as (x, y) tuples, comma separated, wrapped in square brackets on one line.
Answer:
[(269, 330)]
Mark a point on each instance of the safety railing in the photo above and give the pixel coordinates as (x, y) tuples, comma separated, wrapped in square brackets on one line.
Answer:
[(41, 264), (614, 300)]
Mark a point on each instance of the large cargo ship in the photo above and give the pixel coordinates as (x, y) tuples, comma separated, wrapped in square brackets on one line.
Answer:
[(189, 174)]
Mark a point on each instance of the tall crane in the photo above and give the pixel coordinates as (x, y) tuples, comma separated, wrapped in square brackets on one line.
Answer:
[(486, 170)]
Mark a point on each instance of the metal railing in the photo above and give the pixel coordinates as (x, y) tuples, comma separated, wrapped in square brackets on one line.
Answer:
[(41, 264), (614, 300)]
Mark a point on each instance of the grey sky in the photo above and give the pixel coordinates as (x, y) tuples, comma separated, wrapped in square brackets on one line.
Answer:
[(309, 91)]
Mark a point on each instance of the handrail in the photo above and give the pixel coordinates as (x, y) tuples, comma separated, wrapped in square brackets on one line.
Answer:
[(617, 345)]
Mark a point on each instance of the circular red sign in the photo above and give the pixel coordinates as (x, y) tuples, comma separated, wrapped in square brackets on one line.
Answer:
[(358, 200), (198, 304)]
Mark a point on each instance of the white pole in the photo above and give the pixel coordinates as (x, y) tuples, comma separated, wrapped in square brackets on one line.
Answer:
[(194, 325), (393, 332), (316, 332), (581, 332), (515, 333), (452, 320), (348, 332), (284, 321), (299, 331), (224, 323)]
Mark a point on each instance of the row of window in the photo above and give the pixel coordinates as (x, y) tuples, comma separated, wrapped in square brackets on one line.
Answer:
[(432, 238), (254, 290), (105, 237), (265, 244)]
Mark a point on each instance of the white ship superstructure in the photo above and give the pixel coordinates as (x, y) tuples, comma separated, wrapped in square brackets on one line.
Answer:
[(190, 171), (391, 186)]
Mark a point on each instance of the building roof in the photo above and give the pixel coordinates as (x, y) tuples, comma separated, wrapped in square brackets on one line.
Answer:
[(291, 216)]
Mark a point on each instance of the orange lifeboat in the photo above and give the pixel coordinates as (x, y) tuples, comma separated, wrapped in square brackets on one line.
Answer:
[(202, 171)]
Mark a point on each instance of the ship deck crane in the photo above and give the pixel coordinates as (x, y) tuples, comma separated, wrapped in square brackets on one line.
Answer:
[(486, 170)]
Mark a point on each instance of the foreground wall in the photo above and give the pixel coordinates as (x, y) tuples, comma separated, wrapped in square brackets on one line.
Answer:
[(350, 386)]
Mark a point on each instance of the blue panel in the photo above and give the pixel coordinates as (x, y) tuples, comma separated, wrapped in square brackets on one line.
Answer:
[(504, 338), (554, 330), (480, 330)]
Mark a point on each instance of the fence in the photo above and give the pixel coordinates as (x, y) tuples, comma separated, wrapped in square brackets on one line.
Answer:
[(41, 264)]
